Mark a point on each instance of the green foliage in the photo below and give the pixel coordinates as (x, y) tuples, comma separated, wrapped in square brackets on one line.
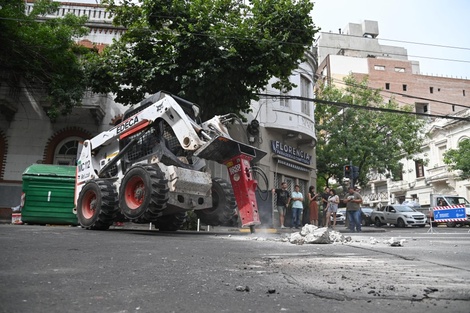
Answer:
[(42, 55), (459, 159), (217, 53), (371, 140)]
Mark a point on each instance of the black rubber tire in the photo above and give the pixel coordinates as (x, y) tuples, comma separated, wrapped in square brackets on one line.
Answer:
[(97, 205), (143, 194), (224, 207), (401, 223), (451, 224), (377, 222), (171, 222)]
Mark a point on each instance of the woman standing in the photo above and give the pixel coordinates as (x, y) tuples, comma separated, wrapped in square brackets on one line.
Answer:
[(313, 197), (333, 201)]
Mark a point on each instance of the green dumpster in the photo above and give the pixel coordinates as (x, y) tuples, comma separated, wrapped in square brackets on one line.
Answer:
[(49, 195)]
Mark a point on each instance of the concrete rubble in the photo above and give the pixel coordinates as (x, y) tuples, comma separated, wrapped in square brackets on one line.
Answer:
[(311, 234)]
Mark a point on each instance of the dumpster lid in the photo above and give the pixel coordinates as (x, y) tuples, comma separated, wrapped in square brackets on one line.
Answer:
[(50, 170)]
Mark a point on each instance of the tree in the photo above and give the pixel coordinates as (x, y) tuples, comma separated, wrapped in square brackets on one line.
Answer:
[(42, 55), (217, 53), (458, 159), (369, 139)]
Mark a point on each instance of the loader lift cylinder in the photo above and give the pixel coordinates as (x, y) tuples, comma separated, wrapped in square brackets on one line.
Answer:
[(244, 187)]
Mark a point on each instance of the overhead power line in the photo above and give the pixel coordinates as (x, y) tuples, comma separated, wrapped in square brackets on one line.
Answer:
[(409, 42), (369, 108), (399, 54)]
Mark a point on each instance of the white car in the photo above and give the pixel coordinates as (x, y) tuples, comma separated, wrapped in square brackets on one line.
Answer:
[(340, 216), (398, 215)]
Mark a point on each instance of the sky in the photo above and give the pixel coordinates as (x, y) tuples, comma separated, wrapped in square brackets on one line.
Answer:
[(430, 22), (423, 24)]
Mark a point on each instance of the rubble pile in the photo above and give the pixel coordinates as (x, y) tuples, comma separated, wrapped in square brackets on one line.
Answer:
[(311, 234)]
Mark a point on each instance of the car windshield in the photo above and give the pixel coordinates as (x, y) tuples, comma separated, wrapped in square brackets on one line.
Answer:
[(456, 200), (367, 210), (403, 208)]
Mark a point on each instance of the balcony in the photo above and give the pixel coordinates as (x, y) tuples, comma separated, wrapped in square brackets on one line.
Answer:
[(438, 174), (96, 104), (292, 124)]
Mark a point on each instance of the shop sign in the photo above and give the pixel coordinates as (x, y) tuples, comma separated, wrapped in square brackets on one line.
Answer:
[(290, 152)]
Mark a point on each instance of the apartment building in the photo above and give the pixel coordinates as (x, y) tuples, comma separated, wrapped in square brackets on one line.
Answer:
[(356, 50)]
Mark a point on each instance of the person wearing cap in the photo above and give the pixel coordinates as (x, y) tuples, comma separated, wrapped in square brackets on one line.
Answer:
[(353, 202)]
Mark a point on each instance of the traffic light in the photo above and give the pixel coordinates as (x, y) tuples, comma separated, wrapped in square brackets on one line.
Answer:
[(347, 171), (355, 172)]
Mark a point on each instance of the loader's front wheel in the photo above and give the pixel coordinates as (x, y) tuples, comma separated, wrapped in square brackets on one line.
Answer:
[(143, 193), (97, 205), (224, 206)]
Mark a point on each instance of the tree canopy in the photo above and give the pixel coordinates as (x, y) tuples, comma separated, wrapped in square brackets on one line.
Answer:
[(459, 159), (369, 139), (42, 55), (217, 53)]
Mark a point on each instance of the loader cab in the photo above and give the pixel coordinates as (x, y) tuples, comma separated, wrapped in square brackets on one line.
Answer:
[(159, 136)]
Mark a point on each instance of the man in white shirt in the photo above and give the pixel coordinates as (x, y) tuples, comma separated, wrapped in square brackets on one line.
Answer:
[(297, 206)]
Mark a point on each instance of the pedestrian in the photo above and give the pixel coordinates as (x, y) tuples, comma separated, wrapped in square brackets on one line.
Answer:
[(312, 200), (333, 201), (282, 201), (297, 206), (353, 202), (324, 201)]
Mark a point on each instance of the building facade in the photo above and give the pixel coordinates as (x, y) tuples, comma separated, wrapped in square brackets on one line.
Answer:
[(284, 127), (27, 136), (357, 51)]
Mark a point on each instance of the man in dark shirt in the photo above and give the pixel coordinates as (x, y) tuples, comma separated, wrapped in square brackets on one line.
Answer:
[(282, 201)]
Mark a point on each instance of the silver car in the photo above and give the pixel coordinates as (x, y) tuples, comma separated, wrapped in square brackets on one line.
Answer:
[(340, 216), (398, 215)]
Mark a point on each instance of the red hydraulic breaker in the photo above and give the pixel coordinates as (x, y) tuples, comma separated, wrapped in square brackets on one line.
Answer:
[(238, 156), (244, 187)]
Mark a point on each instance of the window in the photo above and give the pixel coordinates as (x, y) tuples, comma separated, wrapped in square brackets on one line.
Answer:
[(66, 152), (463, 92), (404, 87), (421, 107), (379, 67), (306, 92), (441, 150), (431, 89), (419, 167), (387, 86), (284, 101), (399, 69)]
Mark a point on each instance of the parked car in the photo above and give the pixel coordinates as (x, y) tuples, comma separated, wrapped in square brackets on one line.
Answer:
[(340, 217), (365, 216), (398, 215)]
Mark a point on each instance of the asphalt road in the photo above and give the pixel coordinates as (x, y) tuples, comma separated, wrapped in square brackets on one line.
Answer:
[(69, 269)]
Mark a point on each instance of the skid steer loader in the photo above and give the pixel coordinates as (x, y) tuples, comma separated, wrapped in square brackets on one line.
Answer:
[(152, 168)]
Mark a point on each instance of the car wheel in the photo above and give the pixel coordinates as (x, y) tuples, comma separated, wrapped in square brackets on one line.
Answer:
[(377, 222), (401, 223)]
